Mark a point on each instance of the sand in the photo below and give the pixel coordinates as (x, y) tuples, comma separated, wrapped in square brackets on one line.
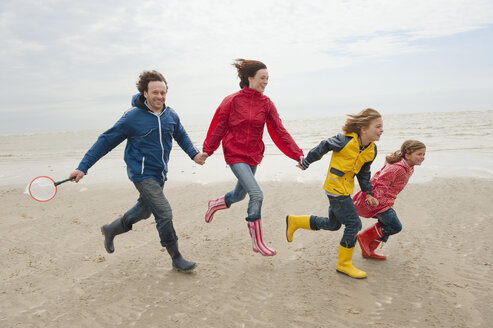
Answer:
[(55, 271)]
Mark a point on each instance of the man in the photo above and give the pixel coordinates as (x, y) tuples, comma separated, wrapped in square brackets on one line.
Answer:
[(149, 128)]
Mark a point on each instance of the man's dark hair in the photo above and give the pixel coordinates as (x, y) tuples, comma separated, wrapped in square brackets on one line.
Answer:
[(148, 76)]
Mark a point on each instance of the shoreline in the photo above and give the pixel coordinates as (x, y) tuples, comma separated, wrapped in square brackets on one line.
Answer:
[(451, 151), (278, 168)]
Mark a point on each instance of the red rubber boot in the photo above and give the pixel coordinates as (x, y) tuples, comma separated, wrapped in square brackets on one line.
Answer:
[(373, 246), (369, 240)]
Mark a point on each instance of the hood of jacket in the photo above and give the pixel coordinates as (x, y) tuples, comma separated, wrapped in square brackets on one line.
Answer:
[(138, 100)]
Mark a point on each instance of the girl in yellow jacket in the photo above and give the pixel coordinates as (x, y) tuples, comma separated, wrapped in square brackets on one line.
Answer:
[(353, 152)]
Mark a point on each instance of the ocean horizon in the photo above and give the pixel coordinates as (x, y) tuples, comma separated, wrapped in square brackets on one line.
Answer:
[(458, 144)]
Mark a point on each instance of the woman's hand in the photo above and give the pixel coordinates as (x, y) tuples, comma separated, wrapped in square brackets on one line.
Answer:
[(301, 161), (200, 158)]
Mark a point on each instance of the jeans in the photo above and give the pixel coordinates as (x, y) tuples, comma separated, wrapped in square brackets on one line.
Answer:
[(341, 211), (152, 200), (389, 223), (246, 184)]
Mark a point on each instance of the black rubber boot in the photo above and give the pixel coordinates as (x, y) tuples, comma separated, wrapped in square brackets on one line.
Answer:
[(179, 263), (109, 232)]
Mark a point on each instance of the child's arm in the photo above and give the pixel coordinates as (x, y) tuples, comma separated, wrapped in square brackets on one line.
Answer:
[(364, 176), (335, 143), (388, 184)]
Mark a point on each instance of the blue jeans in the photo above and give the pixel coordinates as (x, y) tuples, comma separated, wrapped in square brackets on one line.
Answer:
[(246, 184), (389, 223), (341, 211), (152, 200)]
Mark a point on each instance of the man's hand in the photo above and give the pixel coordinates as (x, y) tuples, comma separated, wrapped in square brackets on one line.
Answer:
[(78, 174), (200, 158)]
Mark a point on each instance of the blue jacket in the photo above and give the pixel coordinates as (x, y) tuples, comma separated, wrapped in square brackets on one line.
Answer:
[(149, 141)]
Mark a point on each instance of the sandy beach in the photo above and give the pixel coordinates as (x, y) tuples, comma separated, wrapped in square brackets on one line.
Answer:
[(56, 273)]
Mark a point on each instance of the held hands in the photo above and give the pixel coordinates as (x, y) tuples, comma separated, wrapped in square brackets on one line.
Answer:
[(200, 158), (372, 201), (78, 174), (299, 163)]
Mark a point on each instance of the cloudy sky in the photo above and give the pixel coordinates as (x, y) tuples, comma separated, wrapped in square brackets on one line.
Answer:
[(69, 65)]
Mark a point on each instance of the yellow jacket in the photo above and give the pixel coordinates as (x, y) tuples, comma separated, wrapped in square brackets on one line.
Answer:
[(346, 162)]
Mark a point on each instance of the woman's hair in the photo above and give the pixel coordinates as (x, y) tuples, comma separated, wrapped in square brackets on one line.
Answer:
[(247, 68), (354, 123), (408, 147), (149, 76)]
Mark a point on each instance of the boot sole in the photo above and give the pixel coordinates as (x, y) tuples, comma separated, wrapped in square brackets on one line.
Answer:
[(344, 273), (259, 252), (208, 214), (104, 243), (374, 258), (184, 271), (287, 225)]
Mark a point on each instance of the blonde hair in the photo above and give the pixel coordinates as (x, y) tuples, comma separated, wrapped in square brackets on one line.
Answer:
[(354, 123), (408, 147)]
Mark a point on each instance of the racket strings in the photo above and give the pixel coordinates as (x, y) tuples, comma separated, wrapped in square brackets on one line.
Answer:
[(42, 189)]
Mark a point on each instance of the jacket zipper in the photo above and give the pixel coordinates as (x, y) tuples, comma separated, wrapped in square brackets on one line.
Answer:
[(143, 164), (161, 142)]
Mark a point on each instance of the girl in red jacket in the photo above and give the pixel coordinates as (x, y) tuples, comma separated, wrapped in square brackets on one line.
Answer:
[(387, 183), (239, 123)]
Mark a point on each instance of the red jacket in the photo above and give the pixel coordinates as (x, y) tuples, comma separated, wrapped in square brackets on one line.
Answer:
[(387, 183), (239, 122)]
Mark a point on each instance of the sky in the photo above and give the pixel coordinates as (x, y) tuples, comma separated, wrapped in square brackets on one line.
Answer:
[(73, 65)]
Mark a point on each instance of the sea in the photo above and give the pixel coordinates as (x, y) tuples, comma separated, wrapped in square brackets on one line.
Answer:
[(459, 144)]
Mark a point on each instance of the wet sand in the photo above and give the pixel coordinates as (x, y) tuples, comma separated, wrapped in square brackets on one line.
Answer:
[(56, 272)]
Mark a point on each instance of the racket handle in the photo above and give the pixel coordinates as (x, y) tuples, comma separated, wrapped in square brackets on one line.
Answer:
[(60, 182)]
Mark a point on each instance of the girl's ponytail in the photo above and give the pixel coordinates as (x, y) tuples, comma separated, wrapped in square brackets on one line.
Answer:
[(394, 157), (408, 147)]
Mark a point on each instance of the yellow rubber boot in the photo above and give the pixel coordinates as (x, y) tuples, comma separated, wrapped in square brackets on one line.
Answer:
[(294, 223), (345, 264)]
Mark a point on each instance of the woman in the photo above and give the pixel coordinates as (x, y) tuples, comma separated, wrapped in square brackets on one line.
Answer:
[(239, 123)]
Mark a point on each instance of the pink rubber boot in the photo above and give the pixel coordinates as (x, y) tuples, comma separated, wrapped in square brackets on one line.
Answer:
[(214, 206), (258, 244)]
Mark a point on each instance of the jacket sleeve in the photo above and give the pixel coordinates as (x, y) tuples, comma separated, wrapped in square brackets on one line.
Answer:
[(382, 189), (218, 127), (104, 144), (183, 140), (280, 136), (364, 175), (335, 143)]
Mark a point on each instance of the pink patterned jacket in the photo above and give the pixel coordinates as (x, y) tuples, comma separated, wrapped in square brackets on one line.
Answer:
[(387, 183)]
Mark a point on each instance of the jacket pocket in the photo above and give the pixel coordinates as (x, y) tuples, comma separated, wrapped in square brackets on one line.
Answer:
[(144, 138), (143, 134), (335, 171)]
